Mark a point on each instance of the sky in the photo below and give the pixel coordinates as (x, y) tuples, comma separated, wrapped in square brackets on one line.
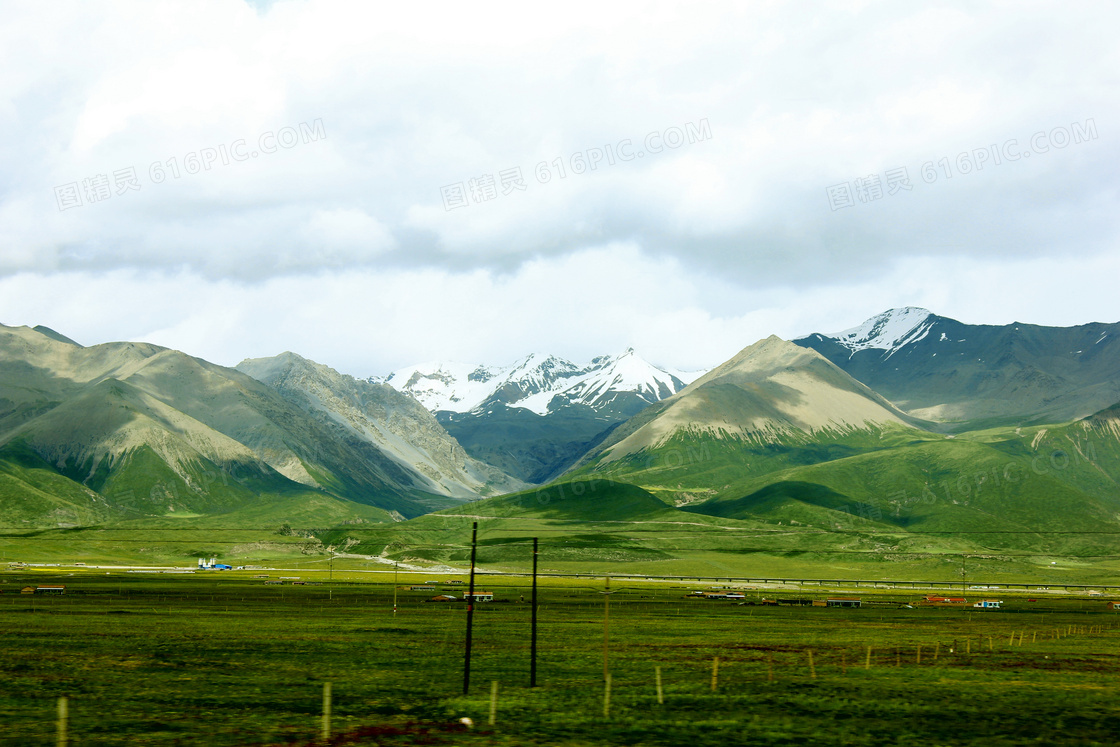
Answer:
[(373, 185)]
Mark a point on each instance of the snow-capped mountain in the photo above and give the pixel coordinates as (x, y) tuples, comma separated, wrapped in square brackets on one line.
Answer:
[(533, 418), (539, 383), (888, 331)]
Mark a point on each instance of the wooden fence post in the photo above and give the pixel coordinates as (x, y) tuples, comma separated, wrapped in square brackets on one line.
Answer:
[(326, 712), (812, 669), (63, 720), (660, 694), (493, 701)]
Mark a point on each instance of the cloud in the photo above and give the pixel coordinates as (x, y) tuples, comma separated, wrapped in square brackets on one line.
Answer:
[(300, 143), (600, 300)]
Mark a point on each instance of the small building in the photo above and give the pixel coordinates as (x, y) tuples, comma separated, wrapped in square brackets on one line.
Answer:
[(441, 598), (843, 602), (50, 589), (415, 588), (1114, 606), (819, 603), (480, 596), (274, 582), (988, 604), (27, 590), (796, 602)]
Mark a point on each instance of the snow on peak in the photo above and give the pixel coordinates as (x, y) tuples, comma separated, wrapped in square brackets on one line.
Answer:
[(534, 381), (445, 386), (887, 331)]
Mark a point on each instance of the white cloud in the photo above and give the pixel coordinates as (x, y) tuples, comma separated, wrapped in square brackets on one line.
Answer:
[(592, 302), (689, 253)]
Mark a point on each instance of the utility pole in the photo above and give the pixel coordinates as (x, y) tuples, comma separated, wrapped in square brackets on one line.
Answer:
[(533, 639), (395, 568), (470, 612)]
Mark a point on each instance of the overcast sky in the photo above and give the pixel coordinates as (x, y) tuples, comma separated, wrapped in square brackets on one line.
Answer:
[(340, 179)]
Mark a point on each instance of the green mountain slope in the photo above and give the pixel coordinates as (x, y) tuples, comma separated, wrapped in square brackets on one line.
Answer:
[(779, 438), (150, 431), (33, 493), (950, 489), (535, 448)]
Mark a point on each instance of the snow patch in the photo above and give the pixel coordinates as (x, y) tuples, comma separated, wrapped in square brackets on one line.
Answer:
[(534, 382), (889, 331)]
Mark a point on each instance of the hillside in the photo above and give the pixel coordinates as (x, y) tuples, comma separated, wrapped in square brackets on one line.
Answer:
[(396, 424), (779, 435), (585, 525), (987, 493), (771, 392), (967, 376), (130, 430)]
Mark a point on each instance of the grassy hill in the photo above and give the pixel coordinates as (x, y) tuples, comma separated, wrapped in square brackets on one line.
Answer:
[(94, 435), (781, 527)]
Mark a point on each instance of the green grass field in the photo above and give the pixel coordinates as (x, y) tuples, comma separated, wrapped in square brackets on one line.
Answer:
[(222, 659)]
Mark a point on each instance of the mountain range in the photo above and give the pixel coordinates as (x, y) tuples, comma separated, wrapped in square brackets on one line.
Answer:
[(534, 418), (132, 430), (968, 376), (944, 436), (782, 434)]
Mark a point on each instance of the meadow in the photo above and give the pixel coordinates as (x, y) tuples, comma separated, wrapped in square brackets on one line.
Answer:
[(222, 659)]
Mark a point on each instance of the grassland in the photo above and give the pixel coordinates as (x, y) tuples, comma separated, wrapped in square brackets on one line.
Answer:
[(594, 526), (221, 659), (600, 526)]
